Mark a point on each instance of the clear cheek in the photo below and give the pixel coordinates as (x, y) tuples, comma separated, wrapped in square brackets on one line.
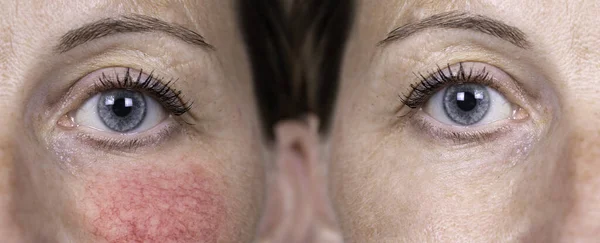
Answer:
[(499, 109), (87, 115)]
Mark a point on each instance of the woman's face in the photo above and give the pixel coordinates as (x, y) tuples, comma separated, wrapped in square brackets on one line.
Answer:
[(126, 121), (471, 121)]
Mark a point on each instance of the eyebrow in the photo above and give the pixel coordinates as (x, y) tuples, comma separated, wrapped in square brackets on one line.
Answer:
[(461, 20), (127, 24)]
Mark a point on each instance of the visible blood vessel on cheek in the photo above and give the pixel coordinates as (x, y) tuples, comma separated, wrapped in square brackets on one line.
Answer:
[(153, 205)]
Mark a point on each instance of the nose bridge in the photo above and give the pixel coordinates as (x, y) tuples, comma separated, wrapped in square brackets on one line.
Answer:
[(10, 114), (583, 115), (583, 220), (16, 149), (9, 88), (9, 228)]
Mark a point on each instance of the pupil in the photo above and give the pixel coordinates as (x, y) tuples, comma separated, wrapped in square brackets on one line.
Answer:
[(120, 109), (468, 102)]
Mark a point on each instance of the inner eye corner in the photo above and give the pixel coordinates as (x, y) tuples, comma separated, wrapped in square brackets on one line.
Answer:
[(67, 120), (519, 113), (503, 106)]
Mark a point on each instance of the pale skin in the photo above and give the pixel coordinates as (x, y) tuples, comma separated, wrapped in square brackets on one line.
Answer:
[(197, 177), (415, 178)]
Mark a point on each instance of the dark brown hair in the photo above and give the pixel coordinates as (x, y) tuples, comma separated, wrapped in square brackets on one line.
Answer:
[(295, 49)]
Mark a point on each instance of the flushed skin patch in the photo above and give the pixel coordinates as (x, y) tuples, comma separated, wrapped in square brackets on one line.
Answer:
[(153, 205)]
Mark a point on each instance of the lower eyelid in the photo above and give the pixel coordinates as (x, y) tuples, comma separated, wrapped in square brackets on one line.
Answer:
[(110, 142), (429, 128), (63, 128)]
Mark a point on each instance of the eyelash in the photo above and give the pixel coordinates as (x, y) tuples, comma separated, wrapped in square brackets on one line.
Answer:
[(421, 91), (170, 98)]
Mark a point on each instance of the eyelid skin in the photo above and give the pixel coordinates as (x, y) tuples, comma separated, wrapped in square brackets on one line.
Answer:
[(112, 78), (444, 47), (494, 77), (441, 133), (462, 72), (151, 204), (125, 78)]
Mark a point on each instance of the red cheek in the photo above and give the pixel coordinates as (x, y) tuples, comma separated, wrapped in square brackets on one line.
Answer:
[(154, 205)]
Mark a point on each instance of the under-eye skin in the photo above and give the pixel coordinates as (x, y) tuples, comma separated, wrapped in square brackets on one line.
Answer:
[(126, 109), (464, 101)]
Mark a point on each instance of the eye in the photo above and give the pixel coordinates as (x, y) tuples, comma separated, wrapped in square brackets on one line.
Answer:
[(121, 111), (125, 102), (468, 104)]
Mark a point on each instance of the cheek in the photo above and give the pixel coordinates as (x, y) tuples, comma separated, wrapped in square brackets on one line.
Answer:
[(153, 205)]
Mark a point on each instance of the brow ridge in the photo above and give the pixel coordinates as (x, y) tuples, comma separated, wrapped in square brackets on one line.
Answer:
[(134, 23), (461, 20)]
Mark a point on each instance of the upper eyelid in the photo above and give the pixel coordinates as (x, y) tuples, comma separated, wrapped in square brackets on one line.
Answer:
[(442, 76), (523, 65), (149, 83), (504, 82), (86, 87)]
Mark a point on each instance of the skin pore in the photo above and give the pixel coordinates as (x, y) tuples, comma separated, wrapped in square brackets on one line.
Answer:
[(529, 173), (181, 176)]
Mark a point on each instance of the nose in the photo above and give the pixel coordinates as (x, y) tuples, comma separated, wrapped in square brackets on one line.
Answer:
[(12, 169), (582, 223), (10, 231)]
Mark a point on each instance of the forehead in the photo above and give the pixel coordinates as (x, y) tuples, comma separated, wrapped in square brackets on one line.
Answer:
[(564, 34), (72, 9), (519, 12), (548, 23), (34, 21)]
